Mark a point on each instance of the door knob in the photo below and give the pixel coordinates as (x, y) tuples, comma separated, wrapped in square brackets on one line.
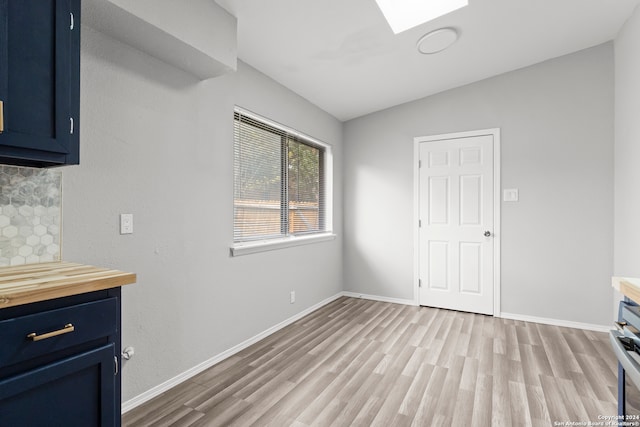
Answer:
[(487, 233)]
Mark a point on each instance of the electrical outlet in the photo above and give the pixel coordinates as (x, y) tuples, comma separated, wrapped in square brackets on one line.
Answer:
[(292, 297), (126, 223)]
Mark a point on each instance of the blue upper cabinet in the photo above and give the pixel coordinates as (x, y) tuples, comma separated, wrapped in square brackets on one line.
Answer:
[(39, 82)]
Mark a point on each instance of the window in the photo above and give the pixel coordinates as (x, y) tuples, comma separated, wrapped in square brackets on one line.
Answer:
[(280, 182)]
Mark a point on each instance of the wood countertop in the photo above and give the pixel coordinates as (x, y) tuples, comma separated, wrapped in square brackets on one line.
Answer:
[(39, 282), (628, 286)]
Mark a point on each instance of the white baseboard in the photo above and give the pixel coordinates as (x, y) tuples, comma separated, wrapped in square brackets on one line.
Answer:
[(379, 298), (557, 322), (161, 388)]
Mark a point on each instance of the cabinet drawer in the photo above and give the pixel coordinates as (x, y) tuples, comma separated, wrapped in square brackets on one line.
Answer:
[(88, 322)]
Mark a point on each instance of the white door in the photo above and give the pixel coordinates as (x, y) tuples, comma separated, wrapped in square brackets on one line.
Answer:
[(456, 213)]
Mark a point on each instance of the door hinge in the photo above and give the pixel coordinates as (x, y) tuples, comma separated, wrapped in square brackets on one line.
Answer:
[(71, 125), (115, 366), (419, 283), (419, 163), (419, 223), (72, 24)]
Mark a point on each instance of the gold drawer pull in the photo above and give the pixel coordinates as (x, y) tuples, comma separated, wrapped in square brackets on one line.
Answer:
[(67, 328), (1, 117)]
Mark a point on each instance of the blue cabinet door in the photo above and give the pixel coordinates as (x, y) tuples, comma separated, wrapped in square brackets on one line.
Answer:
[(76, 391), (39, 81)]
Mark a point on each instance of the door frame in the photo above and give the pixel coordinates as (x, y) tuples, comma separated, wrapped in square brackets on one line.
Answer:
[(495, 132)]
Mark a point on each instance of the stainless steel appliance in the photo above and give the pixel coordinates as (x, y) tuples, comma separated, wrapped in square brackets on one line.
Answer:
[(625, 341)]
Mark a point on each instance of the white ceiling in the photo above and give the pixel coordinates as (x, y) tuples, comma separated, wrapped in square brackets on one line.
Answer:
[(343, 57)]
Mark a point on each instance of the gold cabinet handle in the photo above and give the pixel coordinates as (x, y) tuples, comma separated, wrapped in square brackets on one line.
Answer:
[(1, 117), (67, 328)]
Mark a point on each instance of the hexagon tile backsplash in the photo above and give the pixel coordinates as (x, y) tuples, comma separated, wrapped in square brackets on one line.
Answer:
[(30, 215)]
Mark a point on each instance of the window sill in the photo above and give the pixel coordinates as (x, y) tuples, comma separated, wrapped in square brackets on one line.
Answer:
[(246, 248)]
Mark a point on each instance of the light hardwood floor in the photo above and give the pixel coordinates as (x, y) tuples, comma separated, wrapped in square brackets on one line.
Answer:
[(360, 362)]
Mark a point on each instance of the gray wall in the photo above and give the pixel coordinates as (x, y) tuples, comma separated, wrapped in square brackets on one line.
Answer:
[(627, 149), (556, 119), (159, 144)]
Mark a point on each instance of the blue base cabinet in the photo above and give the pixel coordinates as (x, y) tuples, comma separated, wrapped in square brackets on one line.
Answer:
[(59, 362), (39, 82), (48, 396)]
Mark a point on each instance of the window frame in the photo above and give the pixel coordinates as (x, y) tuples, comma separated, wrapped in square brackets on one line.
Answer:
[(260, 244)]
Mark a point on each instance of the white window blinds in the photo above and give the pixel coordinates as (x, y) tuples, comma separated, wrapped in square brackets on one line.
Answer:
[(278, 181)]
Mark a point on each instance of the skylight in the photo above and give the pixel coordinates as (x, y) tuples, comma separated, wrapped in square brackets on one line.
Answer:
[(405, 14)]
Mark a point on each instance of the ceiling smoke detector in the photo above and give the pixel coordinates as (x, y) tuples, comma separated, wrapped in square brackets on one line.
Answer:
[(437, 40)]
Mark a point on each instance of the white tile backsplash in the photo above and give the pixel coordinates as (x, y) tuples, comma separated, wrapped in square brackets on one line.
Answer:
[(30, 215)]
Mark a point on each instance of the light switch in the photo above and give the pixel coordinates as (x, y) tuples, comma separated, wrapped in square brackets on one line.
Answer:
[(510, 195), (126, 223)]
